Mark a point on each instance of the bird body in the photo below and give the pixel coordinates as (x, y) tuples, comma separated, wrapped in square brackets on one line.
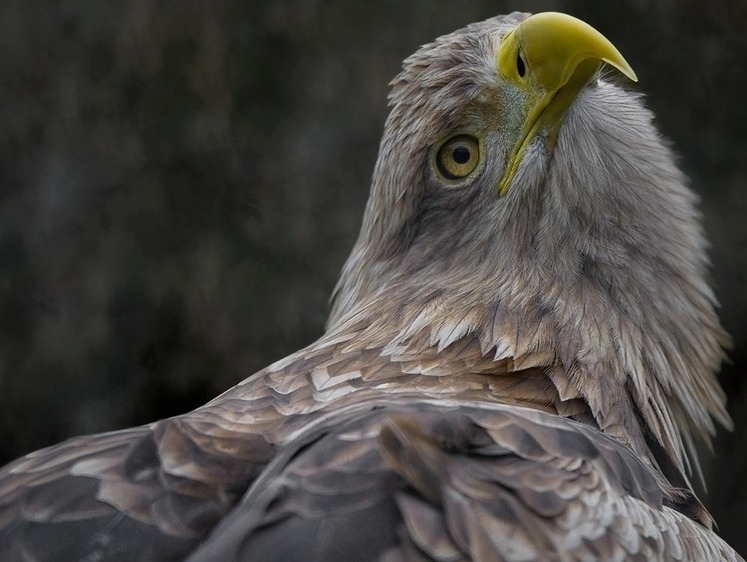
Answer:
[(521, 352)]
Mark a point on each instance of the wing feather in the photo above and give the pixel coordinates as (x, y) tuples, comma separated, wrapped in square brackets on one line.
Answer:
[(465, 482), (155, 491)]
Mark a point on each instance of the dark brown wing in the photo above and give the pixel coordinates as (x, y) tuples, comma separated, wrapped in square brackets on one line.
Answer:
[(147, 493), (155, 492), (433, 482), (370, 456)]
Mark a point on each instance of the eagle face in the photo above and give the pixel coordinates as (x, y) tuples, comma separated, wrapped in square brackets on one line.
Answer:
[(516, 182)]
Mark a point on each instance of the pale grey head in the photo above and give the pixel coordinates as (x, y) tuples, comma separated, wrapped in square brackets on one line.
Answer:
[(581, 249)]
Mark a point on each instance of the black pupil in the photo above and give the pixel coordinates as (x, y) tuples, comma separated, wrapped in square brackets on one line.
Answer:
[(520, 66), (461, 155)]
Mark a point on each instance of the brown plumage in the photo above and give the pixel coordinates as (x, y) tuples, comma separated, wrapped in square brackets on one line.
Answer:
[(520, 355)]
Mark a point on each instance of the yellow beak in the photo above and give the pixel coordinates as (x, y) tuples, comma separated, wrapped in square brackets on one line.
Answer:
[(552, 57)]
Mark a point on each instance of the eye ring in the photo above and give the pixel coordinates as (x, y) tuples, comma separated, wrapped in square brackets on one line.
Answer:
[(458, 157)]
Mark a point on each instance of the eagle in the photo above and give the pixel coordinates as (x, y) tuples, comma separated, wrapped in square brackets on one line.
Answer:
[(520, 358)]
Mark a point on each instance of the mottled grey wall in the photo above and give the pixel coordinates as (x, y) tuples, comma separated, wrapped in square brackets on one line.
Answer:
[(180, 182)]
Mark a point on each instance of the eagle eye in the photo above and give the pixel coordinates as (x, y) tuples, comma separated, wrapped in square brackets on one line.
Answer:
[(458, 157)]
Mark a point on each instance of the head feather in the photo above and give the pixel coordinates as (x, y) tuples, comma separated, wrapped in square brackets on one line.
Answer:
[(595, 261)]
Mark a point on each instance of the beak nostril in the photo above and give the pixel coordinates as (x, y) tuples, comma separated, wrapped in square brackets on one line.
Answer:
[(520, 66)]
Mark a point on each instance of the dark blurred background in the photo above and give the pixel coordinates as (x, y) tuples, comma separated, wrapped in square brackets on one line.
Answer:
[(181, 182)]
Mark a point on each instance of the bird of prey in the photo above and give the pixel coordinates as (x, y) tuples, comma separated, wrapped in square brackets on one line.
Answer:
[(520, 356)]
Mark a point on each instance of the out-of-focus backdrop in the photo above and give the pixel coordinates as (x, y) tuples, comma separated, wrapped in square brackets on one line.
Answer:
[(180, 183)]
